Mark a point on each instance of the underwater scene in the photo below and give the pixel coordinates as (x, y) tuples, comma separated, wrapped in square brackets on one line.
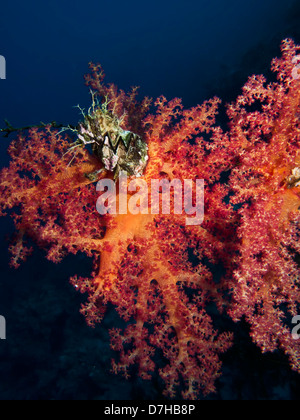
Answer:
[(150, 202)]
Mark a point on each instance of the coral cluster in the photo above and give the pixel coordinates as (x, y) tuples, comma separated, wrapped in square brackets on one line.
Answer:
[(159, 272), (265, 180)]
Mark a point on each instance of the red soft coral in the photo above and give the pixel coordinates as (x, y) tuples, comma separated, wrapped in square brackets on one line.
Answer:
[(266, 283), (155, 269)]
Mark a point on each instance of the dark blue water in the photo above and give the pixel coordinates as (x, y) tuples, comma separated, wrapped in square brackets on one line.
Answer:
[(191, 49)]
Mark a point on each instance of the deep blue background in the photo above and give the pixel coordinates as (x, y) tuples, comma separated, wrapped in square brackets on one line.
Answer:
[(192, 49)]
